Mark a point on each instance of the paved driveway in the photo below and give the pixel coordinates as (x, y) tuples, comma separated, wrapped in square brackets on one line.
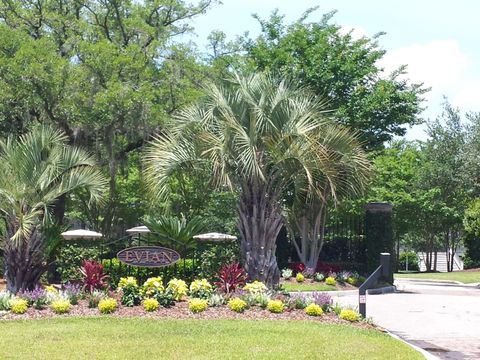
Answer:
[(442, 318)]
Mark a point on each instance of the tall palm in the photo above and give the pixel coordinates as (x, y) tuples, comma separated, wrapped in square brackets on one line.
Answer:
[(257, 133), (37, 168), (342, 169)]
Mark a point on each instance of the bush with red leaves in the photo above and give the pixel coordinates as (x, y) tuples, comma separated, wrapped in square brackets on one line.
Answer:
[(93, 277), (231, 277)]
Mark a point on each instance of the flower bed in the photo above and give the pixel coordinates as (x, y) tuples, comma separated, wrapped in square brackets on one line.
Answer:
[(295, 280), (199, 300)]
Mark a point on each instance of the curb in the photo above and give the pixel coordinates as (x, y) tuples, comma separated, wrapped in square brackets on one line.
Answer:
[(433, 281), (426, 354), (382, 290), (378, 291)]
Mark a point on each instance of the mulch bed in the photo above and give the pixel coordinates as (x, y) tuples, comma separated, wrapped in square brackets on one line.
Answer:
[(181, 311)]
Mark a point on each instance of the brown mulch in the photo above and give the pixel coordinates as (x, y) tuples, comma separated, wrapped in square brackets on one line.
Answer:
[(181, 311)]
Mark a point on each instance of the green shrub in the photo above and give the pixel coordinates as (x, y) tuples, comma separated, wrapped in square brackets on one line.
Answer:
[(300, 277), (216, 300), (5, 300), (197, 305), (287, 273), (237, 305), (351, 280), (94, 298), (18, 306), (150, 304), (319, 277), (350, 315), (70, 258), (412, 261), (107, 305), (275, 306), (200, 289), (152, 286), (165, 298), (330, 280), (130, 291), (178, 288), (313, 310), (255, 287), (60, 306)]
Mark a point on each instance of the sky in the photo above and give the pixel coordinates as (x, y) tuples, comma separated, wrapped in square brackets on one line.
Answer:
[(437, 40)]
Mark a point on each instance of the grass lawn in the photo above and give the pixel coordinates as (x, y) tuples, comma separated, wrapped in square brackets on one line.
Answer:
[(136, 338), (466, 277), (308, 287)]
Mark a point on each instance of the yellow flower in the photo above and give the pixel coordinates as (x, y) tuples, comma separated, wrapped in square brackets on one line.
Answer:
[(51, 289)]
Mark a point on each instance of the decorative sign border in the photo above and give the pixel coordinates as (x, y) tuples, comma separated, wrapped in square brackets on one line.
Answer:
[(148, 256)]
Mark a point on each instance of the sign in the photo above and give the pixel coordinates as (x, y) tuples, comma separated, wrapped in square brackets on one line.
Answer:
[(362, 299), (148, 256)]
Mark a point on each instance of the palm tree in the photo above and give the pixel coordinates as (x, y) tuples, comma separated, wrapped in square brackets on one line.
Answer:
[(342, 170), (37, 168), (258, 134)]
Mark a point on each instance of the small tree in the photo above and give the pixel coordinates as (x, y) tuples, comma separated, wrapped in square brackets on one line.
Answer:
[(343, 170), (257, 134), (37, 168)]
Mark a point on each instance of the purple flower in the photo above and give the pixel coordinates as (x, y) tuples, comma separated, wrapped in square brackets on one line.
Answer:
[(72, 289), (36, 297), (321, 298)]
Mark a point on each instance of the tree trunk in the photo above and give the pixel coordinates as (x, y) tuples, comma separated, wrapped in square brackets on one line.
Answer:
[(259, 225), (307, 230), (24, 261)]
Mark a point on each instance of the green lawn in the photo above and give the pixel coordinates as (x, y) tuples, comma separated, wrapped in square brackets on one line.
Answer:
[(466, 277), (121, 338), (308, 287)]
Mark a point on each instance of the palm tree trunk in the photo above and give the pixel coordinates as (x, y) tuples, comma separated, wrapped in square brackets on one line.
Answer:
[(24, 260), (259, 225)]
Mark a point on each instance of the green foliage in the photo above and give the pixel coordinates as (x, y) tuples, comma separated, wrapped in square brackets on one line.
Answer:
[(176, 232), (178, 288), (313, 310), (5, 300), (287, 273), (70, 258), (18, 306), (116, 270), (256, 287), (349, 315), (130, 291), (216, 299), (412, 261), (61, 306), (345, 69), (330, 281), (150, 305), (275, 306), (237, 305), (41, 167), (213, 257), (319, 277), (94, 298), (257, 299), (197, 305), (107, 305), (166, 299), (152, 286), (201, 289)]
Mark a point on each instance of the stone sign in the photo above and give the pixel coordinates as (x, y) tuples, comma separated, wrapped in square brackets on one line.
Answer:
[(148, 256)]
